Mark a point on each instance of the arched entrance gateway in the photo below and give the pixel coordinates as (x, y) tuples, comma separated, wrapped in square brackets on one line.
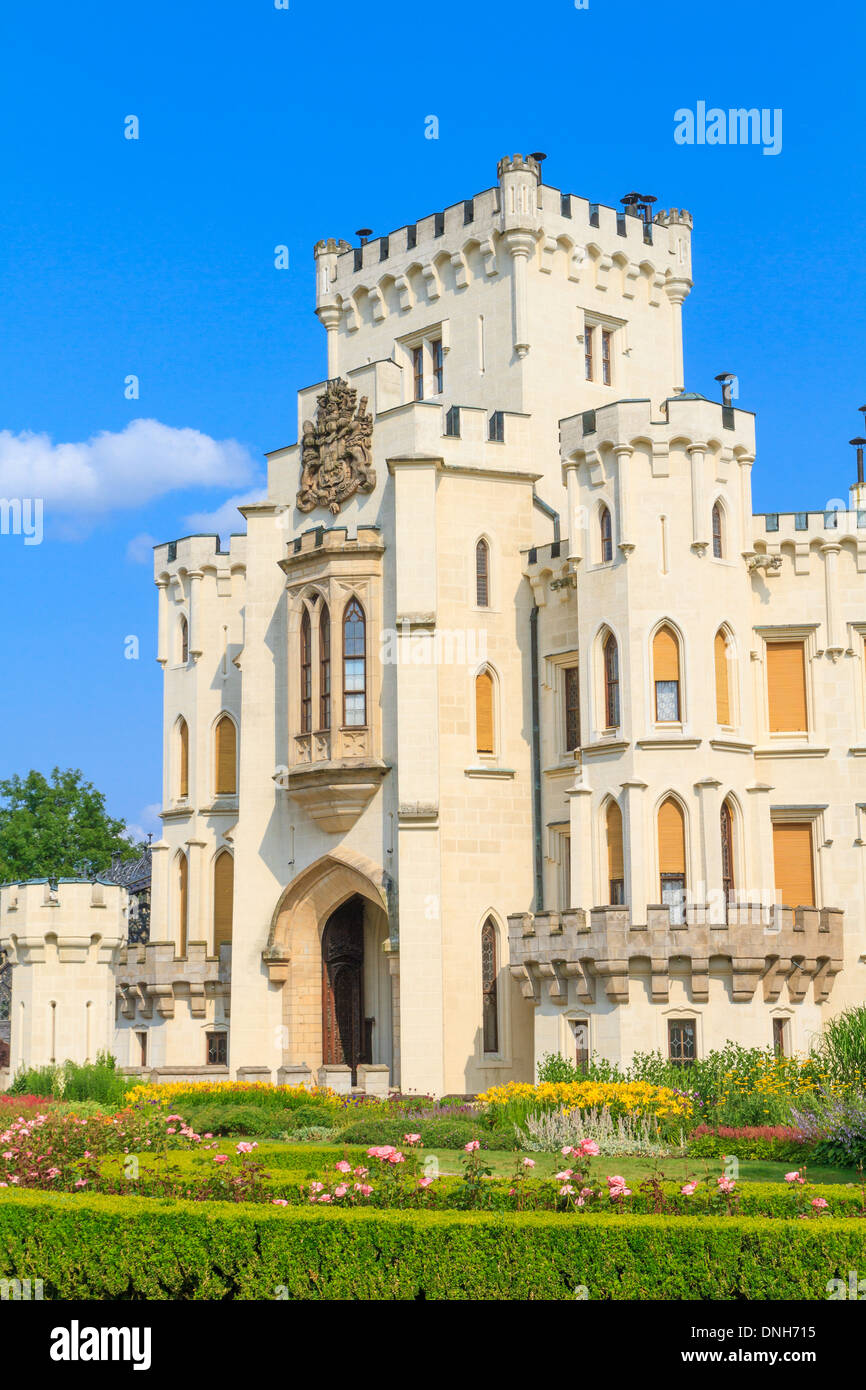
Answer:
[(347, 1034), (330, 951)]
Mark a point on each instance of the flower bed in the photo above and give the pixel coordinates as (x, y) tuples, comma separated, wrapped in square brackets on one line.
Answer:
[(778, 1143)]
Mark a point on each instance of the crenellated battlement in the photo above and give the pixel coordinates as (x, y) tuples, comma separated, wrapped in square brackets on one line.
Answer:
[(77, 917), (152, 976), (479, 222), (774, 947), (199, 553)]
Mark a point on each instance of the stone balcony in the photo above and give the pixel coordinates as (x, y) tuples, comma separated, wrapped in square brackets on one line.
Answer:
[(773, 948)]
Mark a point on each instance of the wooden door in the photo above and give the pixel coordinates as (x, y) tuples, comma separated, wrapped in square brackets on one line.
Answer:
[(343, 1033)]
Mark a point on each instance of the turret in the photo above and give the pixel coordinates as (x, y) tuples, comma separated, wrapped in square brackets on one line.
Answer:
[(63, 944)]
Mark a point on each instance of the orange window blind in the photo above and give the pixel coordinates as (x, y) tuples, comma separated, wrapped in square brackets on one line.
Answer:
[(223, 892), (723, 692), (484, 712), (226, 757), (786, 686), (183, 770), (792, 856), (614, 842), (666, 656), (672, 838)]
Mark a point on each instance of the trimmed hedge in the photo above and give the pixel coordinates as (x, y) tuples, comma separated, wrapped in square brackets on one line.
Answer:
[(121, 1248)]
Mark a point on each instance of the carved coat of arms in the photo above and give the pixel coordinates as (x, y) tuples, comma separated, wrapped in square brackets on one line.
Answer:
[(335, 450)]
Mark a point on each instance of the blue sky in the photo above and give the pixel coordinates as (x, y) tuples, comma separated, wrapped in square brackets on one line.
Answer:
[(261, 127)]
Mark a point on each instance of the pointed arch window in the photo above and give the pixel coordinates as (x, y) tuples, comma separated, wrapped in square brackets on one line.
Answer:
[(606, 532), (183, 640), (182, 759), (666, 674), (721, 662), (611, 682), (489, 992), (223, 895), (672, 857), (482, 574), (726, 827), (226, 756), (718, 548), (306, 674), (182, 902), (484, 731), (615, 862), (354, 665), (325, 668)]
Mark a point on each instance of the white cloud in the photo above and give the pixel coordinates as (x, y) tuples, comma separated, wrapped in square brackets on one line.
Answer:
[(114, 472), (226, 519), (139, 550), (148, 823)]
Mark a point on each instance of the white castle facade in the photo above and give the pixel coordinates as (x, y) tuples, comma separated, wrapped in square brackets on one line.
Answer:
[(507, 727)]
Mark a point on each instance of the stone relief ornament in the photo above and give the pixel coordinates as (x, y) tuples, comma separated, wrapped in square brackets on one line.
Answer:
[(335, 450)]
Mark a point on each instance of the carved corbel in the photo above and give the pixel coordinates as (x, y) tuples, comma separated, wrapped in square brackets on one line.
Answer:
[(775, 978), (700, 980), (747, 971), (488, 255), (404, 293), (460, 267), (431, 280), (659, 980)]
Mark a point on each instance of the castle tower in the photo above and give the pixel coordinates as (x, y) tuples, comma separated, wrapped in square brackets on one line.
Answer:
[(63, 945)]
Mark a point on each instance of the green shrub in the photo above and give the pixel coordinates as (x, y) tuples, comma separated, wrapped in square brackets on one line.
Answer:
[(96, 1081), (303, 1116), (746, 1146), (139, 1248), (435, 1134), (233, 1119), (841, 1047)]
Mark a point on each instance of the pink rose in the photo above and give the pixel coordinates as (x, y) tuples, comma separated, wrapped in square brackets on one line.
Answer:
[(472, 1146), (529, 1163), (819, 1203), (341, 1190), (688, 1189), (220, 1158), (280, 1202), (412, 1139), (343, 1166), (588, 1148)]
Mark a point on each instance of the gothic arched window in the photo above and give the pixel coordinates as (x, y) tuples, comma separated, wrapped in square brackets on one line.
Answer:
[(482, 574), (490, 1002), (306, 674), (611, 682), (325, 668), (606, 530), (354, 665)]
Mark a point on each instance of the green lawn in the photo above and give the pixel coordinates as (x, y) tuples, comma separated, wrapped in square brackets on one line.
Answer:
[(633, 1169), (502, 1161)]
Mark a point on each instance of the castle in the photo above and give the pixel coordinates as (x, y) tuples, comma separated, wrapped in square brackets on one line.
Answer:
[(507, 727)]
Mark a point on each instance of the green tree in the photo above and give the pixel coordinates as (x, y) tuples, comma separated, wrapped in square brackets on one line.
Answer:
[(56, 829)]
